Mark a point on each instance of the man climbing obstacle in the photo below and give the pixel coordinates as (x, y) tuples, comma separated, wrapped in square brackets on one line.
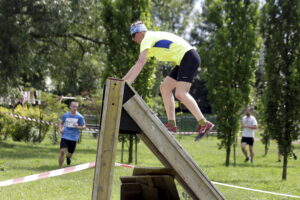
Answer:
[(171, 48), (71, 123)]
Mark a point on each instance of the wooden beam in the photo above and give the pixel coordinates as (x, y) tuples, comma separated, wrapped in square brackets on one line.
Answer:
[(170, 152), (108, 140)]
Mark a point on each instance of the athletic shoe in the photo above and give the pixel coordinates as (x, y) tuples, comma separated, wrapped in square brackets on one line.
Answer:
[(68, 160), (203, 130), (171, 127), (247, 159)]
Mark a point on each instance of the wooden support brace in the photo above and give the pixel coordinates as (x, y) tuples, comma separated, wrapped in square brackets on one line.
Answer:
[(108, 140), (154, 134), (170, 152)]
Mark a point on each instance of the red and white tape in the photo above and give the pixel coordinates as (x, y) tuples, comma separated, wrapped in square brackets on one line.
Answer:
[(84, 166), (53, 173), (29, 119), (192, 133)]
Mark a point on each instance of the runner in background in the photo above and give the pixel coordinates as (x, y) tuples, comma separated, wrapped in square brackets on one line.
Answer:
[(71, 124), (249, 124)]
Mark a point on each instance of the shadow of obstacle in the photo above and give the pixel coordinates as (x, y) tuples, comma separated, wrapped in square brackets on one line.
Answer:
[(25, 151), (250, 165)]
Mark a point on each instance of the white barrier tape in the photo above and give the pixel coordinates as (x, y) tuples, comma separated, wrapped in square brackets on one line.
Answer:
[(40, 121), (53, 173), (84, 166), (192, 133), (256, 190), (29, 119)]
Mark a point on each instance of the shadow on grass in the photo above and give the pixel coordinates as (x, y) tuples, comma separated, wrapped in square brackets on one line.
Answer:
[(6, 145), (244, 165), (25, 151), (40, 168)]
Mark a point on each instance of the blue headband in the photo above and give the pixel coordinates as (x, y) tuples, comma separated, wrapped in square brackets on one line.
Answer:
[(138, 28)]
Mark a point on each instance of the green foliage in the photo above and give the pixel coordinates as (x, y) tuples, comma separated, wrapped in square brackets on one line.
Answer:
[(51, 106), (24, 130), (172, 15), (121, 51), (229, 53), (52, 109), (91, 106), (5, 121), (281, 32), (56, 39)]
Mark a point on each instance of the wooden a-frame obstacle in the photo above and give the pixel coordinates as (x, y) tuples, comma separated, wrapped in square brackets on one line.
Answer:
[(124, 111)]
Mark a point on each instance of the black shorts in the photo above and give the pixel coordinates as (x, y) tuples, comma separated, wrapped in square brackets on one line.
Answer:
[(71, 145), (188, 67), (248, 140)]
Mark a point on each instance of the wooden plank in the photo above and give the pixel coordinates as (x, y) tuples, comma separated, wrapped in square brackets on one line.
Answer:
[(163, 183), (130, 191), (165, 162), (108, 140), (170, 152), (139, 171)]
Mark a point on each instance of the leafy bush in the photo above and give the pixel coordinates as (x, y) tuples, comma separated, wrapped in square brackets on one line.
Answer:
[(52, 109), (5, 122), (29, 131)]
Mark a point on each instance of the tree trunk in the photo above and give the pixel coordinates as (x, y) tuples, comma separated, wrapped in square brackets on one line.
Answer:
[(227, 156), (80, 137), (122, 150), (234, 150), (285, 163), (40, 125), (136, 149), (55, 140), (266, 149), (130, 150)]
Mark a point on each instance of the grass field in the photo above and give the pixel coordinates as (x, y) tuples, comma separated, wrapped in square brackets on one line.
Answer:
[(21, 159)]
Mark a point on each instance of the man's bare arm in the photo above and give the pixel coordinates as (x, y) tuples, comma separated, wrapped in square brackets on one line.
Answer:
[(136, 68), (60, 127)]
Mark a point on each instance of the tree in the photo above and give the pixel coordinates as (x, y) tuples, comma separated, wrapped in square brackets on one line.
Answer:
[(228, 52), (56, 39), (172, 15), (121, 51), (281, 32)]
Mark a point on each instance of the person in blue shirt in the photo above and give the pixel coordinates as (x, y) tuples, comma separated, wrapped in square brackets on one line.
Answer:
[(71, 124)]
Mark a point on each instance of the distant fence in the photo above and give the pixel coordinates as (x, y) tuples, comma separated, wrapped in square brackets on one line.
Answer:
[(185, 123)]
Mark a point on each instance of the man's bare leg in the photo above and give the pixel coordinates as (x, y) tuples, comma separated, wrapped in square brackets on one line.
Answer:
[(251, 153), (61, 157), (69, 155), (166, 90), (182, 94), (244, 150)]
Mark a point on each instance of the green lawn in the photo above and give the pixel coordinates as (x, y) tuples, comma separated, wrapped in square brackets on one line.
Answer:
[(21, 159)]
